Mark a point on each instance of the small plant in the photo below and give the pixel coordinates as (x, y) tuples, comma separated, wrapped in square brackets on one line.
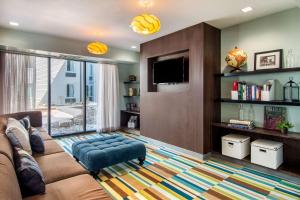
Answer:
[(284, 126)]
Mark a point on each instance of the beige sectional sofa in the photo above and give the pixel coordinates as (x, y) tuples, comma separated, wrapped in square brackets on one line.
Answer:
[(64, 177)]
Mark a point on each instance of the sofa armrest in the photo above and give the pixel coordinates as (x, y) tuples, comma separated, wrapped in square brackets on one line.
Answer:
[(35, 117)]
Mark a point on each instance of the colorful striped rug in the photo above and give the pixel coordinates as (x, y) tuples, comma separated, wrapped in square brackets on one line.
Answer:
[(169, 174)]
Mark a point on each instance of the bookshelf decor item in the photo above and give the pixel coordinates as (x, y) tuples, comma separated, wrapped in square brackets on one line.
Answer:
[(291, 91), (268, 60), (251, 92), (236, 58), (273, 116), (132, 78), (284, 126)]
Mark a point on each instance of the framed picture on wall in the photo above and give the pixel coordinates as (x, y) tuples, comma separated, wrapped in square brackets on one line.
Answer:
[(268, 60)]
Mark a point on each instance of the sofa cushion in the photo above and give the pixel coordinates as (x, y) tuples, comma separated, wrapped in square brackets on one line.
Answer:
[(43, 133), (9, 186), (18, 135), (37, 142), (51, 147), (58, 166), (29, 174), (6, 148), (35, 117), (3, 124), (25, 121), (82, 187)]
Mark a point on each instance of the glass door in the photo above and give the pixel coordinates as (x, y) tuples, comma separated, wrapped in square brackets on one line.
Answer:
[(40, 87), (91, 96), (67, 92)]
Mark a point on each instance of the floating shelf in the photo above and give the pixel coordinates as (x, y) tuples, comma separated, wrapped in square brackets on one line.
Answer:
[(131, 82), (131, 130), (260, 131), (127, 96), (131, 112), (284, 103), (269, 71)]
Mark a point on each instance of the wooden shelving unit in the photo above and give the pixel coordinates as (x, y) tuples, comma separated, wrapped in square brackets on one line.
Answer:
[(290, 144), (284, 103), (126, 114), (131, 82), (258, 72), (290, 141), (131, 112), (261, 131), (127, 96)]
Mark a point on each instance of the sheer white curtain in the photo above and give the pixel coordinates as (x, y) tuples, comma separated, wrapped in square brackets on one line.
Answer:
[(19, 83), (108, 112)]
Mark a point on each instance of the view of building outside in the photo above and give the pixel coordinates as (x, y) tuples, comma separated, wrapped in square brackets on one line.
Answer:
[(67, 93), (66, 96), (91, 96)]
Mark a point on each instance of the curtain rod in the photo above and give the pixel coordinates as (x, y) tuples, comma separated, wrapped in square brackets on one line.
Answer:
[(67, 57)]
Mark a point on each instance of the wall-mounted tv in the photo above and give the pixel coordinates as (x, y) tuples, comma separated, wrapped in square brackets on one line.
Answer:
[(170, 71)]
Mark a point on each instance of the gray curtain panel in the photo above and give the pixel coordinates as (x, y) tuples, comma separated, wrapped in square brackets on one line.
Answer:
[(19, 83)]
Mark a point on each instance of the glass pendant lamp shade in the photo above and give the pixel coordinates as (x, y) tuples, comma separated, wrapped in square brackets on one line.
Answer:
[(145, 24), (291, 91), (97, 48)]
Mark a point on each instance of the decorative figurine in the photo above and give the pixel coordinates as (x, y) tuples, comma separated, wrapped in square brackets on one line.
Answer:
[(291, 91), (236, 58)]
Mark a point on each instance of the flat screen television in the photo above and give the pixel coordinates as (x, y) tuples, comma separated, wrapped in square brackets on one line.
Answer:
[(170, 71)]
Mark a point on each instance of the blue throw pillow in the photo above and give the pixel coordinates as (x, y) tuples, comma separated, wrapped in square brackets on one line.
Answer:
[(26, 123), (29, 173), (37, 142)]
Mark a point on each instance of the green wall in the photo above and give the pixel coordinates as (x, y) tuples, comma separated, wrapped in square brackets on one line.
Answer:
[(124, 71), (277, 31), (127, 61), (36, 41)]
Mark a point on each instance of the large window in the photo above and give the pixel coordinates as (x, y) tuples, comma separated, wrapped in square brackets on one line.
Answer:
[(70, 66), (67, 109), (70, 91), (41, 88), (91, 96), (63, 90)]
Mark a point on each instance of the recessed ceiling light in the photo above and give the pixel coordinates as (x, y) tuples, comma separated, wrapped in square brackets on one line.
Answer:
[(146, 3), (133, 47), (247, 9), (14, 23)]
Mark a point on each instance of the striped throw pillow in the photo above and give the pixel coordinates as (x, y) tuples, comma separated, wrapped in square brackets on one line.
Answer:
[(18, 135)]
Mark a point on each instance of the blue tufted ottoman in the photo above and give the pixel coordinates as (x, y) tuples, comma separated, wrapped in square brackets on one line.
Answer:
[(102, 152)]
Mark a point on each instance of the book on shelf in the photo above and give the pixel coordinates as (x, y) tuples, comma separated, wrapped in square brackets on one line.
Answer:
[(273, 115), (242, 124), (253, 92)]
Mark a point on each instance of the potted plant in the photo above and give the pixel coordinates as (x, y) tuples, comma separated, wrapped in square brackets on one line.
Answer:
[(284, 126)]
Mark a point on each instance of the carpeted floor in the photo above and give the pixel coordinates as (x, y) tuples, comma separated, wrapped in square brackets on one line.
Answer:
[(168, 174)]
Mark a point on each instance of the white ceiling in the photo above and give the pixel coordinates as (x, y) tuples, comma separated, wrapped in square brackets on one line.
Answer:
[(108, 20)]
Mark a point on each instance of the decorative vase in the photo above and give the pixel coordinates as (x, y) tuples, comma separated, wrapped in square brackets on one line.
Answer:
[(290, 59), (236, 58), (284, 131)]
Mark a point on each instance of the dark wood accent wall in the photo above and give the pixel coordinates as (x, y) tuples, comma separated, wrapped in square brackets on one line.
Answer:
[(183, 115)]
